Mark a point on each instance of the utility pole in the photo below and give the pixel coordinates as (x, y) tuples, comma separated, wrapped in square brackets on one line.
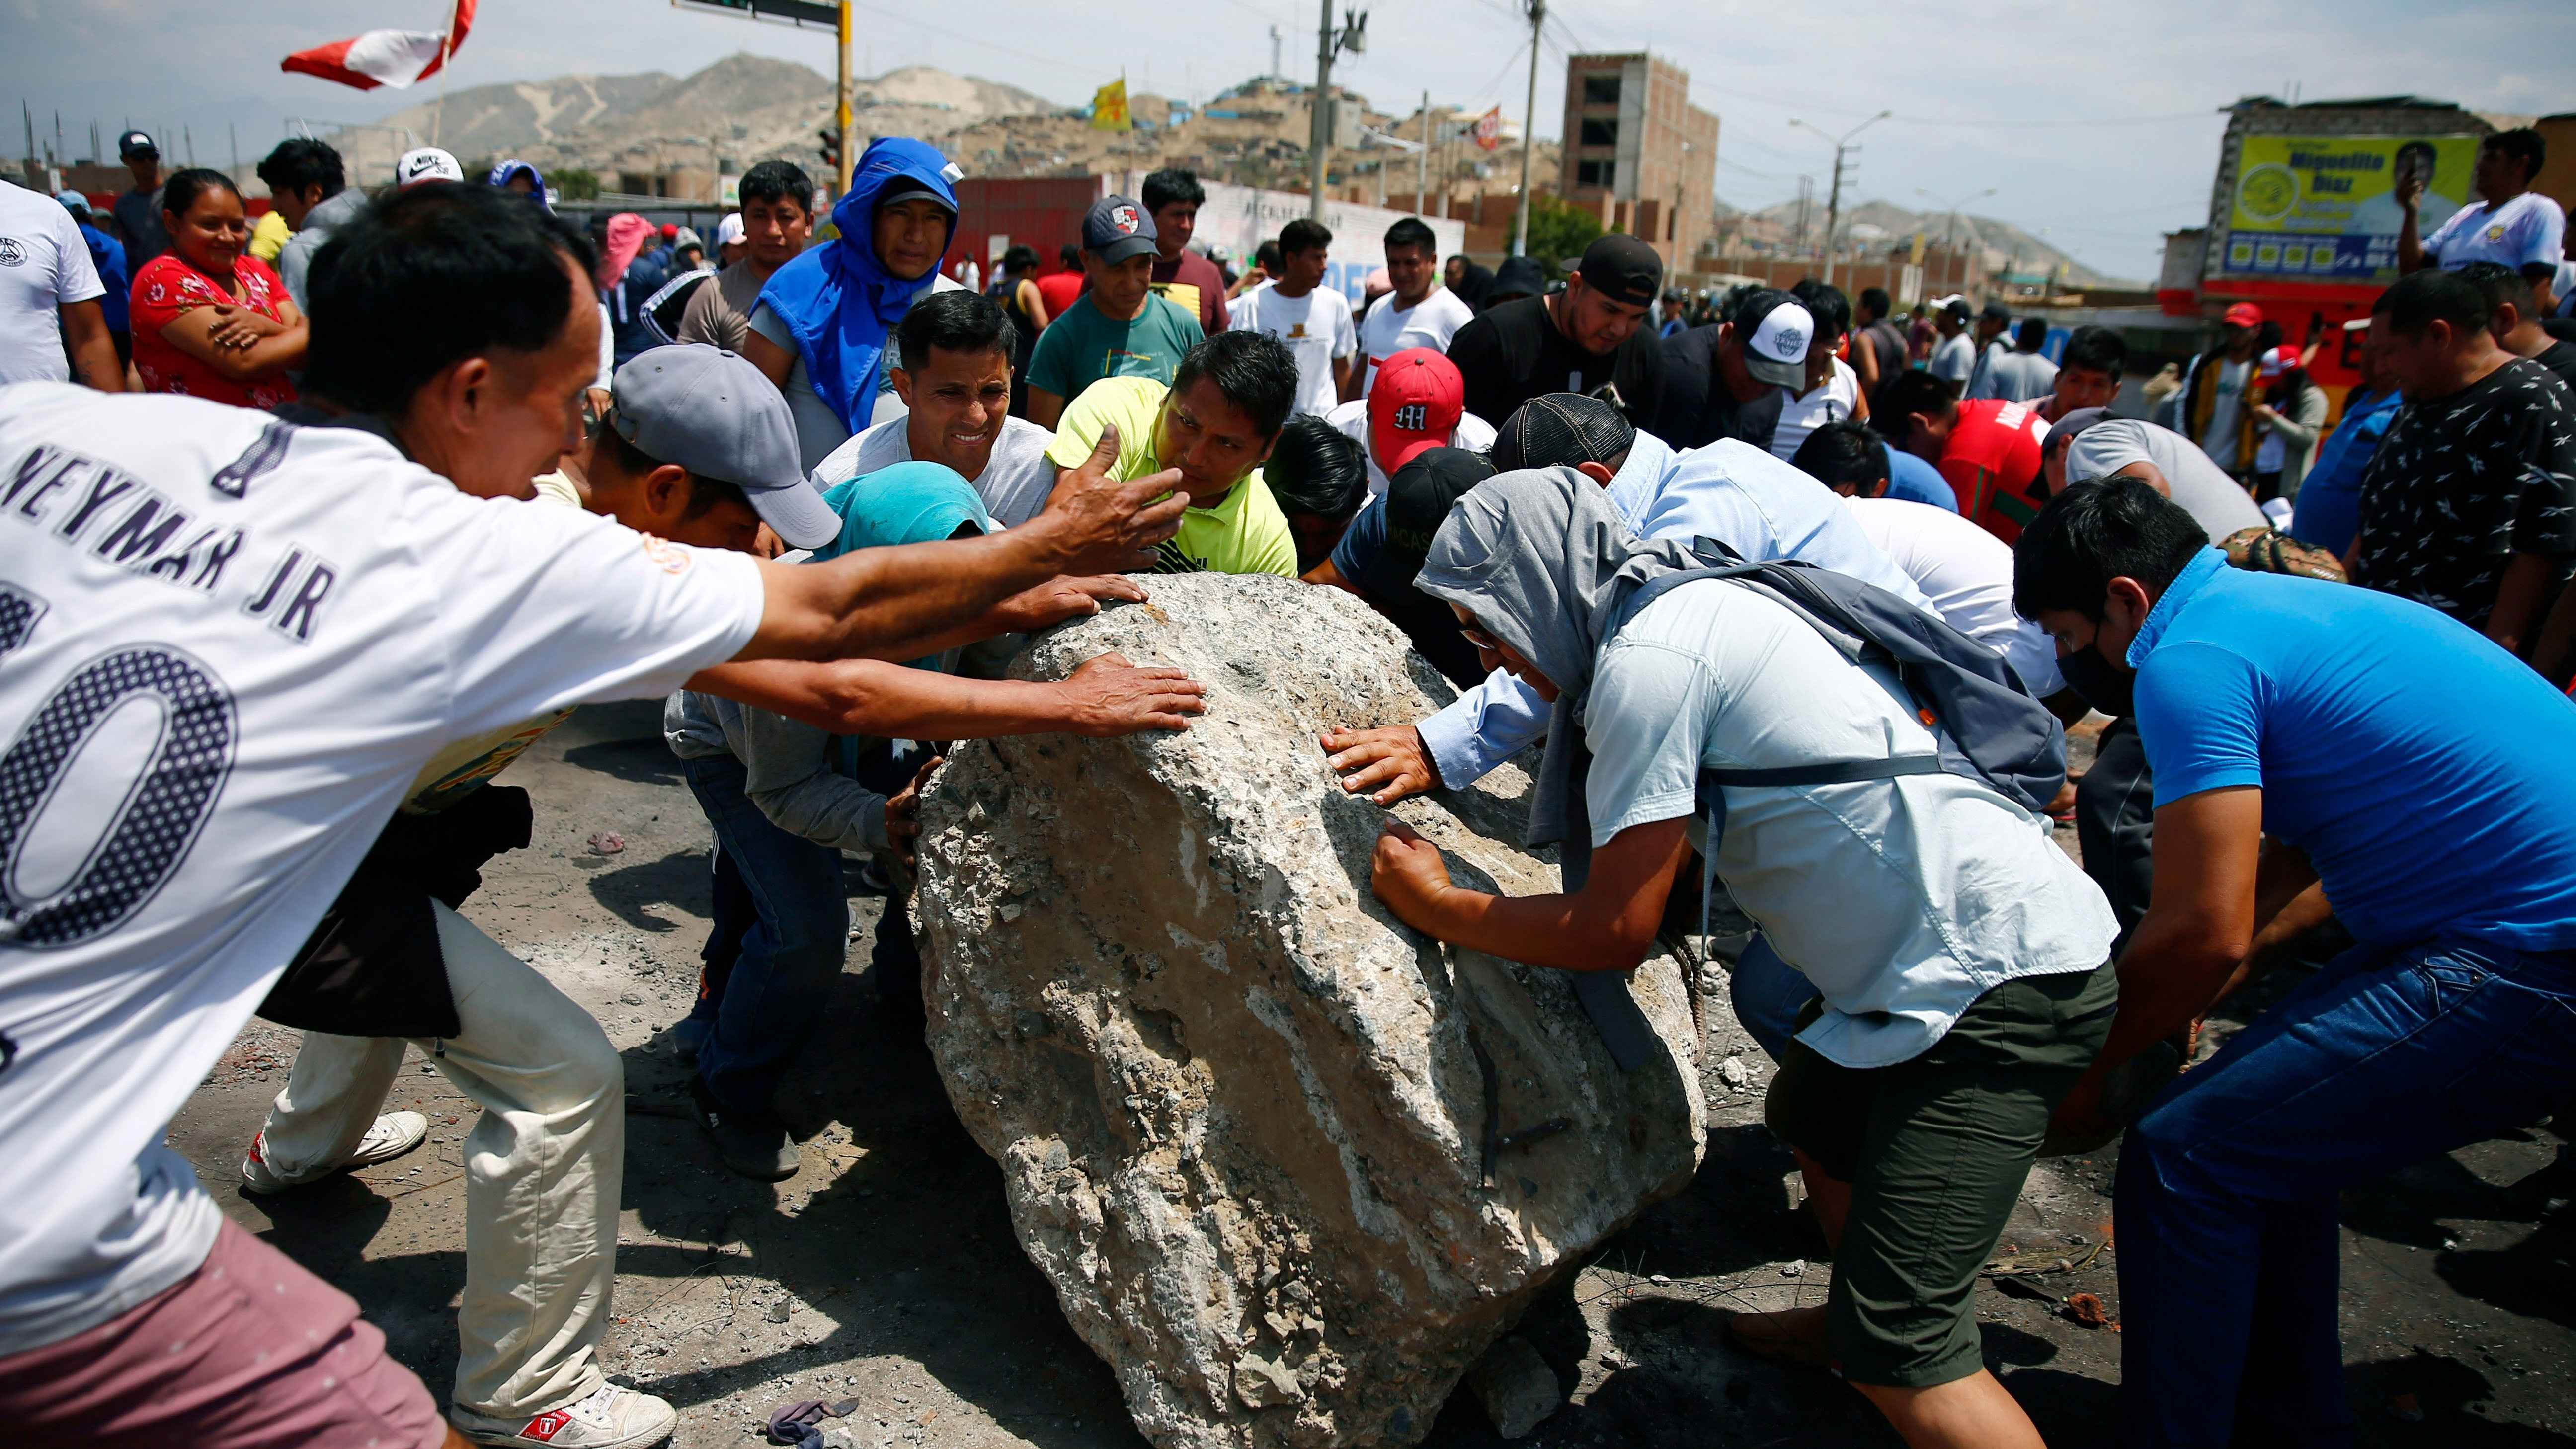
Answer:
[(1422, 159), (1834, 199), (1529, 129), (1352, 37), (841, 115), (1275, 38)]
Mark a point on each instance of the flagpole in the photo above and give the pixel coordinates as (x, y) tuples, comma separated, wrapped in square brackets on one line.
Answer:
[(445, 38)]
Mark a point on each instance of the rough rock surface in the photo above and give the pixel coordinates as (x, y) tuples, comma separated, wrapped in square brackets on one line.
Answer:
[(1243, 1114)]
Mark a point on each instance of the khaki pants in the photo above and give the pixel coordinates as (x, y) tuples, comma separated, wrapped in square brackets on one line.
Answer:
[(542, 1166)]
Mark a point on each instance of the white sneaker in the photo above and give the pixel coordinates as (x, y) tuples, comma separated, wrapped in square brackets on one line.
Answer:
[(394, 1134), (611, 1418)]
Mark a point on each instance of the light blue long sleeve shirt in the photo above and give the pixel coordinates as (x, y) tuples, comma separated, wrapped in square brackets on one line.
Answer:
[(1730, 491)]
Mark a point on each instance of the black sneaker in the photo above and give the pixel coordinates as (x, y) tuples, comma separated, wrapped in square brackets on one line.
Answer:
[(753, 1143)]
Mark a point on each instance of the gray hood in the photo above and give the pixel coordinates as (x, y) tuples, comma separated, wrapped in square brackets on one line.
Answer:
[(1541, 560), (295, 261)]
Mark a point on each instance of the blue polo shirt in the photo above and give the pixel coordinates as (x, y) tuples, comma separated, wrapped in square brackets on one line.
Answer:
[(1915, 481), (2427, 773)]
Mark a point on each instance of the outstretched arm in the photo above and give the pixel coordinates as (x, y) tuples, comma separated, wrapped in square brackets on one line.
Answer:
[(1606, 926), (1106, 696), (879, 602)]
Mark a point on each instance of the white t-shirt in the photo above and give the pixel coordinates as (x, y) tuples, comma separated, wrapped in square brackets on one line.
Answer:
[(1430, 323), (1901, 900), (2199, 485), (1351, 421), (1317, 327), (269, 631), (2528, 231), (1832, 401), (1967, 573), (44, 267), (1014, 484), (2218, 440)]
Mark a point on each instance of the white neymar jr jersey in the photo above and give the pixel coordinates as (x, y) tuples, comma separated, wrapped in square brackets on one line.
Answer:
[(227, 646)]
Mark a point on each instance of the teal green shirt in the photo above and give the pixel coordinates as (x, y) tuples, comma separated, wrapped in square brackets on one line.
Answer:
[(1080, 346)]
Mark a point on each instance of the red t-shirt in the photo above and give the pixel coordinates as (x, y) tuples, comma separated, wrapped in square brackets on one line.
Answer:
[(1195, 284), (1992, 461), (167, 287), (1058, 289)]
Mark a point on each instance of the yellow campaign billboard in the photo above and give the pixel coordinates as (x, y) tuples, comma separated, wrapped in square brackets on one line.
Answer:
[(2324, 208)]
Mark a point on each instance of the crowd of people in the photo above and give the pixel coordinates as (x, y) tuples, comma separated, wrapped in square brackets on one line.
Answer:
[(1795, 602)]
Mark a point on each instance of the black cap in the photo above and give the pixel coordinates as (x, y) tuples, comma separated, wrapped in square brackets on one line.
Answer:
[(1418, 498), (136, 143), (1995, 310), (2064, 432), (1516, 277), (1624, 268), (1118, 227), (1559, 430)]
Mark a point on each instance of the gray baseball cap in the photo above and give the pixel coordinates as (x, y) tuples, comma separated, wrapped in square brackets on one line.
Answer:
[(710, 411)]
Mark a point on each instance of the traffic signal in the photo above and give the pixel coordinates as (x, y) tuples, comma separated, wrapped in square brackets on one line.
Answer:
[(831, 149)]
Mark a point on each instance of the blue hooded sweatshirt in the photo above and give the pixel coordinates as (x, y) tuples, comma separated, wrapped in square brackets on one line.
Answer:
[(838, 300)]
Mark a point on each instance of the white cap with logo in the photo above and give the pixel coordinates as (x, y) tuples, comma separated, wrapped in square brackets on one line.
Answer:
[(426, 164), (1776, 353)]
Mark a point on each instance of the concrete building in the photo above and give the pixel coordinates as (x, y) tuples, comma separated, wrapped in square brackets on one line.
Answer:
[(1639, 151)]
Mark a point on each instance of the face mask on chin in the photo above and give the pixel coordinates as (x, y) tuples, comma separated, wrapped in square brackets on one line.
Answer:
[(2099, 683)]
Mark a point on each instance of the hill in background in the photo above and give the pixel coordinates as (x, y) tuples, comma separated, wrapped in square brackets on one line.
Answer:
[(1873, 226), (741, 109)]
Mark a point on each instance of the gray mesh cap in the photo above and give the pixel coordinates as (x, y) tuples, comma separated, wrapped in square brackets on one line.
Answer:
[(710, 411), (1561, 429)]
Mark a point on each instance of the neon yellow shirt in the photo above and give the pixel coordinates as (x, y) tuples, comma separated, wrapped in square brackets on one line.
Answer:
[(1245, 533), (268, 238)]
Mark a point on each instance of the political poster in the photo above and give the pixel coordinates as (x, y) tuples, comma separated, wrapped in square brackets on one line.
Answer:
[(2324, 208)]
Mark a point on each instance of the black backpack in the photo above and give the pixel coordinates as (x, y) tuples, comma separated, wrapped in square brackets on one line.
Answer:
[(1989, 727)]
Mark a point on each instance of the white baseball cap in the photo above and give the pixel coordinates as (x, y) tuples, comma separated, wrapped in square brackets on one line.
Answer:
[(729, 230), (1775, 351), (426, 164)]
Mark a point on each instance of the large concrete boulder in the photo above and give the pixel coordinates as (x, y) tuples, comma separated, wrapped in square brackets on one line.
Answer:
[(1291, 1166)]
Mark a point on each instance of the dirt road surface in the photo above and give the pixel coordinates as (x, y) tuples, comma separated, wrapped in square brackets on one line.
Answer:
[(886, 1272)]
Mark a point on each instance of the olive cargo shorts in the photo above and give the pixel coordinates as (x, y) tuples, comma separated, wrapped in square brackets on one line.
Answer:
[(1935, 1149)]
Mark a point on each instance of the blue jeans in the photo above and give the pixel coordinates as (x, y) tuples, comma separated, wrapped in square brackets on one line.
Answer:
[(2229, 1256), (1767, 994), (789, 890)]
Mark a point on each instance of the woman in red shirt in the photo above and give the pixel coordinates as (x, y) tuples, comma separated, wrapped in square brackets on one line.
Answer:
[(210, 320)]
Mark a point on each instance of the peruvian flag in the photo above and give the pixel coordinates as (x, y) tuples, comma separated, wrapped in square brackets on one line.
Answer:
[(385, 57)]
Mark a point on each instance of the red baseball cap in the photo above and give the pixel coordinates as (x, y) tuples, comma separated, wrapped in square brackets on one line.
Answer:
[(670, 231), (1414, 405), (2244, 314)]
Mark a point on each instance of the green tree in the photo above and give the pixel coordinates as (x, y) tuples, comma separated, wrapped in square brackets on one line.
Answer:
[(1559, 230), (575, 185)]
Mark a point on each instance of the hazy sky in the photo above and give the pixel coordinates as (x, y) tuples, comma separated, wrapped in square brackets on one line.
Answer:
[(2095, 122)]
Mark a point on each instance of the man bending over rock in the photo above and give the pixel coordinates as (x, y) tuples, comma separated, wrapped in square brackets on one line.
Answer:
[(1730, 491), (1960, 959)]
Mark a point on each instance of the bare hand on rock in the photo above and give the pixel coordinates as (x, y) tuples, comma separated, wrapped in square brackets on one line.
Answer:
[(903, 807), (1057, 600), (1393, 762), (1113, 697), (1407, 873)]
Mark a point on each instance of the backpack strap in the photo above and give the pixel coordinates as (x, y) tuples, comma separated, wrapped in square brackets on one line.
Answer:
[(1840, 772)]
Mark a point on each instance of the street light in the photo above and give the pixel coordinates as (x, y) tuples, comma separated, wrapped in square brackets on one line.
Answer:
[(1834, 198), (1954, 210)]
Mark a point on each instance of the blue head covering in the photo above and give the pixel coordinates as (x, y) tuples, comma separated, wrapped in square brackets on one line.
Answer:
[(509, 166), (904, 503), (838, 300)]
